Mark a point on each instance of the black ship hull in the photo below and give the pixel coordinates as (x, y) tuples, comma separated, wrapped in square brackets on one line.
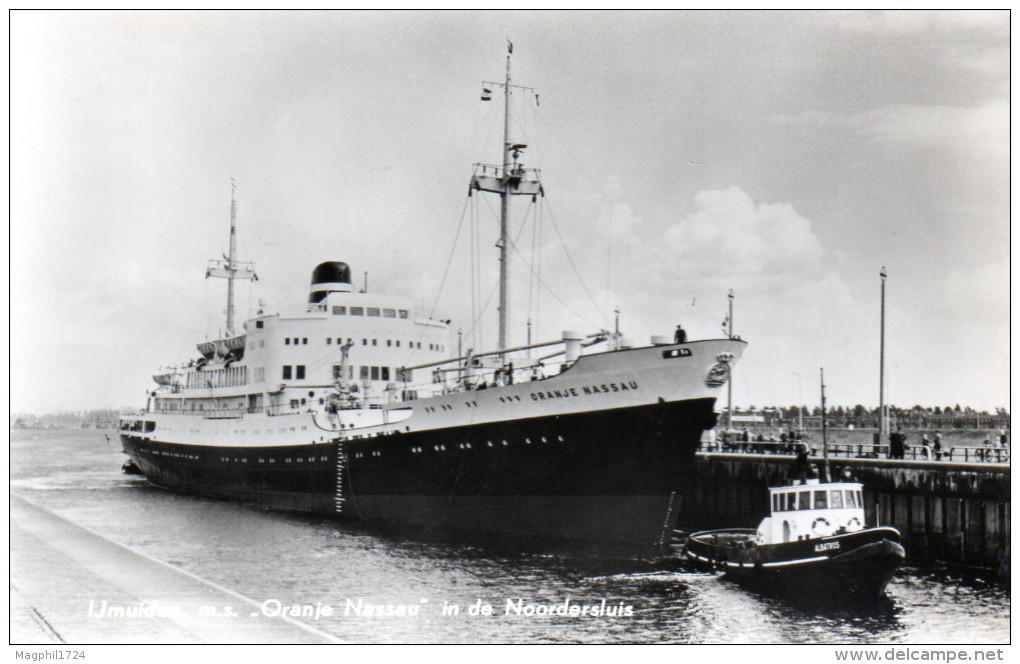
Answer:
[(604, 482), (854, 566)]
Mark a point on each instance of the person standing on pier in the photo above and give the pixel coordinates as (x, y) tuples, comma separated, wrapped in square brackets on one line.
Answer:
[(897, 444), (680, 337)]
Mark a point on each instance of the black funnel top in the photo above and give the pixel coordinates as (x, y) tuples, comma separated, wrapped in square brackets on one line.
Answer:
[(333, 272)]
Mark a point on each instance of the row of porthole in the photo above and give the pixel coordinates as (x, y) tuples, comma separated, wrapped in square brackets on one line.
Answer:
[(195, 457), (245, 432), (463, 446), (175, 455), (310, 459)]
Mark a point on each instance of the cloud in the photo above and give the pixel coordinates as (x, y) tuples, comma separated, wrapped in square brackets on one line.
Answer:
[(977, 129), (980, 295), (767, 253), (981, 130), (750, 241), (908, 22)]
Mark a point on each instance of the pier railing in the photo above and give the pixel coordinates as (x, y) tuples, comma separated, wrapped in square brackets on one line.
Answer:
[(864, 451)]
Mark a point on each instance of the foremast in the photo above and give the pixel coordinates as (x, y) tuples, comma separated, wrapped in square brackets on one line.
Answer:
[(510, 179), (230, 268)]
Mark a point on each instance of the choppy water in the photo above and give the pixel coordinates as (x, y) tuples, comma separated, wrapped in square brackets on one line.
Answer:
[(304, 560)]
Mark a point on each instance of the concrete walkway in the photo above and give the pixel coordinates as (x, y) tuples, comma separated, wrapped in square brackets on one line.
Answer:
[(72, 585)]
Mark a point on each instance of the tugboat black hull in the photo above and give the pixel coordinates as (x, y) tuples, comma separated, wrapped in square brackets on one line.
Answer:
[(855, 566)]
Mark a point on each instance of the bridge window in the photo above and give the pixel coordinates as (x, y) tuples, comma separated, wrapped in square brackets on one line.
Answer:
[(286, 371), (339, 311), (804, 502), (329, 341), (300, 372), (389, 313), (821, 501), (357, 311), (403, 313), (375, 373), (286, 341), (836, 499), (373, 311)]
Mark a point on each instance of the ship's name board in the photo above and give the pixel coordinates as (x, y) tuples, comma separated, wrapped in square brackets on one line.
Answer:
[(826, 546), (569, 392)]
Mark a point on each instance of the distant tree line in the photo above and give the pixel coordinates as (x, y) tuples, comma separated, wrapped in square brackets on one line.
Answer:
[(104, 418), (918, 417)]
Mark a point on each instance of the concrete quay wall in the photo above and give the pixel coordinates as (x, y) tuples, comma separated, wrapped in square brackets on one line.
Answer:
[(947, 512)]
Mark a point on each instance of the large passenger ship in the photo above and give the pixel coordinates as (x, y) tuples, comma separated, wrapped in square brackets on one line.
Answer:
[(360, 405)]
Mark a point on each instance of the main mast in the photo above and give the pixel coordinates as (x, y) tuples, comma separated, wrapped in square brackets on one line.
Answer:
[(504, 209), (231, 268), (509, 179)]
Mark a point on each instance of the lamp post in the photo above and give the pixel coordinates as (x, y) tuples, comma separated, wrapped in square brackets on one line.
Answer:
[(882, 423), (729, 383)]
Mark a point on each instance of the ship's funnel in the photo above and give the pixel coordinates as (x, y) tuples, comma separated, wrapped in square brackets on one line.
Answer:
[(572, 346), (329, 277)]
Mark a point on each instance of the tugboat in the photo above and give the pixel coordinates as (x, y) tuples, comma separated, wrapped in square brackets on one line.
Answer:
[(812, 544)]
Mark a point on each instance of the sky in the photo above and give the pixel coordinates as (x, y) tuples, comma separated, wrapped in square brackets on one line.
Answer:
[(786, 156)]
